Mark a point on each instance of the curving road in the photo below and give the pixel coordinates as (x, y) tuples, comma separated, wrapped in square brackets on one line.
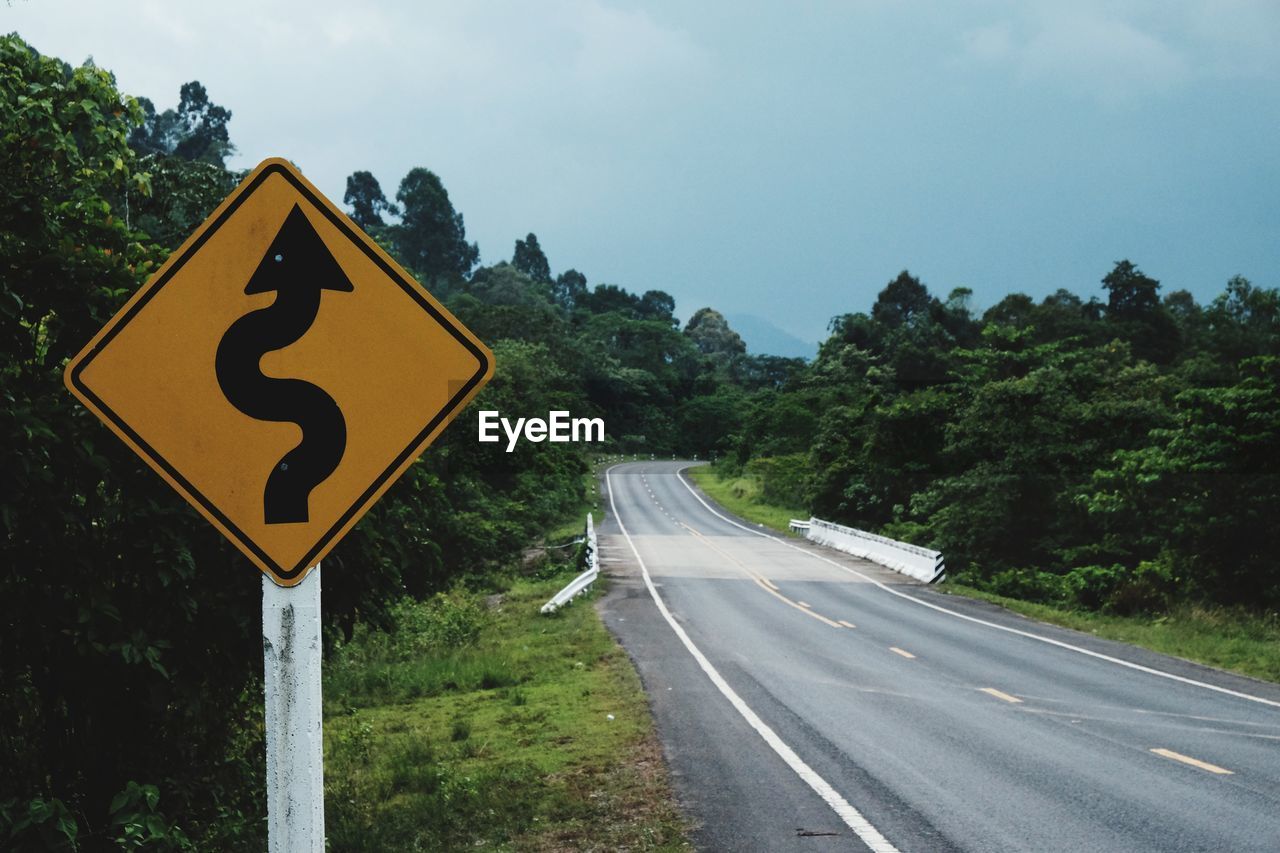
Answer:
[(807, 700)]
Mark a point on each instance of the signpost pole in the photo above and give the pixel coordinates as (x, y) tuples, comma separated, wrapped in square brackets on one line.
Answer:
[(291, 652)]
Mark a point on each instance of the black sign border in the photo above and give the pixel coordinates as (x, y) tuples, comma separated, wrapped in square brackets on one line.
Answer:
[(118, 323)]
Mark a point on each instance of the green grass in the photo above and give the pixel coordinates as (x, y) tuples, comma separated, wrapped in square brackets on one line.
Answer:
[(495, 733), (741, 496), (1232, 639)]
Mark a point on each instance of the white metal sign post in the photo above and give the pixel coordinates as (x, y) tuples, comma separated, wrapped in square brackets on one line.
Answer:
[(291, 651)]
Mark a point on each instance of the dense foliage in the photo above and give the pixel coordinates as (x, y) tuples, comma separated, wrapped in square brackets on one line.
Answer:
[(1117, 454)]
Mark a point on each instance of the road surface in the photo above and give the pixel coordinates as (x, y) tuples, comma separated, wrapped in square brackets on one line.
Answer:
[(807, 700)]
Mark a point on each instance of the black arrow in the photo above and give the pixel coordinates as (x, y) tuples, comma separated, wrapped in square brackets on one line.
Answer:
[(297, 266)]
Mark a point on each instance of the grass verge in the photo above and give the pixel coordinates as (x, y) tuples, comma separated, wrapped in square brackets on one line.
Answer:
[(741, 496), (1231, 639), (480, 723)]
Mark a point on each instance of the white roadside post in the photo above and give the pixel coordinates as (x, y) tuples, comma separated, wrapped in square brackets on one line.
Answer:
[(295, 734)]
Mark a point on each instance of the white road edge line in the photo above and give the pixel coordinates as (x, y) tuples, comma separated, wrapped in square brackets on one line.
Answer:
[(1060, 644), (846, 812)]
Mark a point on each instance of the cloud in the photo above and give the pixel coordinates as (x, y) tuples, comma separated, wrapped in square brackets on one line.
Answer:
[(1119, 51), (1081, 51)]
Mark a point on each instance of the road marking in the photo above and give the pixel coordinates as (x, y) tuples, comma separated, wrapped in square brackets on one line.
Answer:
[(803, 603), (1000, 694), (824, 620), (1194, 762), (761, 580), (846, 812), (906, 654), (1059, 643), (847, 624)]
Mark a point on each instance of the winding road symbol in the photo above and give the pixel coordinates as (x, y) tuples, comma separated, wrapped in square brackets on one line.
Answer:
[(279, 310), (297, 266)]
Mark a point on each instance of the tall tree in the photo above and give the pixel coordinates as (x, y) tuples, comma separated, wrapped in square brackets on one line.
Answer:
[(1136, 315), (568, 288), (431, 237), (530, 260), (1130, 293), (658, 305), (195, 131), (364, 195), (710, 333), (903, 302)]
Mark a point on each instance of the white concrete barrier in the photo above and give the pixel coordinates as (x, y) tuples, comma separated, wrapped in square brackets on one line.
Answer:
[(911, 560), (582, 582)]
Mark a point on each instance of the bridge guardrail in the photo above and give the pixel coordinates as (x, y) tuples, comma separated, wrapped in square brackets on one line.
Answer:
[(582, 582), (911, 560)]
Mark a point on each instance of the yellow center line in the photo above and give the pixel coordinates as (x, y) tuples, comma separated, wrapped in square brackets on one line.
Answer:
[(847, 624), (999, 694), (791, 603), (903, 652), (1194, 762), (760, 580), (803, 603)]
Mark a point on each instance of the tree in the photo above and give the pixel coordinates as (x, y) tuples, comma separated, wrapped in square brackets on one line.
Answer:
[(1200, 495), (903, 302), (1015, 309), (128, 661), (196, 131), (1244, 320), (710, 333), (608, 298), (431, 237), (1130, 293), (184, 152), (529, 259), (367, 202), (658, 305), (569, 287), (1135, 314)]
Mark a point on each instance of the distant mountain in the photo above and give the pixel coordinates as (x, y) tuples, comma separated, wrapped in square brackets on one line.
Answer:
[(764, 338)]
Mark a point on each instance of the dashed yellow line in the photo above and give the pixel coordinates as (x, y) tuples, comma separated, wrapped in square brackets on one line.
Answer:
[(1000, 694), (847, 624), (824, 620), (906, 654), (761, 581), (1194, 762), (803, 603)]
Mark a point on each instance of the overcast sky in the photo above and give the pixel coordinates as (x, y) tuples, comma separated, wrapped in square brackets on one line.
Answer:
[(782, 159)]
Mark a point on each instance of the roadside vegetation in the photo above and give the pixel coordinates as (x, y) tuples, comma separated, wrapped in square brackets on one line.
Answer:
[(745, 494), (1231, 638), (477, 722)]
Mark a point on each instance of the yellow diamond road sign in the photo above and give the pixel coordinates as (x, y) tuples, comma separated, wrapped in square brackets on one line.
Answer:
[(280, 371)]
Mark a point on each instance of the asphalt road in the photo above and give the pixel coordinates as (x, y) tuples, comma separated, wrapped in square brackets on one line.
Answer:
[(803, 705)]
